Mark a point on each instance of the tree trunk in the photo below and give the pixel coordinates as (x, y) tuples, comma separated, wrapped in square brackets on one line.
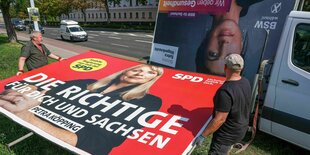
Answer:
[(107, 10), (84, 14), (7, 21)]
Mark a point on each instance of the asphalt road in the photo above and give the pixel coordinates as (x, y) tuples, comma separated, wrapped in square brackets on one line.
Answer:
[(132, 44)]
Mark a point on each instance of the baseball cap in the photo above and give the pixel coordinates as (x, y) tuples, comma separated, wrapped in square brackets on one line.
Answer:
[(234, 61)]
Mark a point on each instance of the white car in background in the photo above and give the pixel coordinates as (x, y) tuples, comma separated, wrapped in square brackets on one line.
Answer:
[(70, 30)]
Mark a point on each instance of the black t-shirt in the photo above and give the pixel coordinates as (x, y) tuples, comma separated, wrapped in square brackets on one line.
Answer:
[(233, 97)]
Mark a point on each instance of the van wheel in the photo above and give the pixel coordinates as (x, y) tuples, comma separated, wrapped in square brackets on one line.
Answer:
[(62, 38), (71, 39)]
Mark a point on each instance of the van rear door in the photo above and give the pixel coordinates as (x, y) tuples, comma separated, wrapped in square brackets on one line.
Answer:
[(290, 116)]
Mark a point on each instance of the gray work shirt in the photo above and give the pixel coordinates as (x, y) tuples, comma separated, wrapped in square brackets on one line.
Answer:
[(34, 57)]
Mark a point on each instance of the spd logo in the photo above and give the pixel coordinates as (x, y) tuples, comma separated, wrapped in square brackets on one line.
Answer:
[(88, 64)]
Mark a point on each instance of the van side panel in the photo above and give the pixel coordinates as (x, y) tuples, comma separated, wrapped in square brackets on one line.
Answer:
[(289, 110), (265, 119)]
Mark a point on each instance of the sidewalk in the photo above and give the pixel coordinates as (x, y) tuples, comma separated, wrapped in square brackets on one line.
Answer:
[(66, 49)]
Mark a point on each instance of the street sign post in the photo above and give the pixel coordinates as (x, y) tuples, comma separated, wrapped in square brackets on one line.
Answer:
[(34, 16)]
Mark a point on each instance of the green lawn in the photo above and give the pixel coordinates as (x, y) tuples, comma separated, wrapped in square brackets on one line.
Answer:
[(35, 145), (9, 54), (9, 131)]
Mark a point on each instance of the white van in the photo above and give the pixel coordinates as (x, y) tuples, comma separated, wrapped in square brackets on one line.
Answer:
[(70, 30)]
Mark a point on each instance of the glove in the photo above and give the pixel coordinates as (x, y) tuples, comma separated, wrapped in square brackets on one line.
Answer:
[(19, 73), (199, 140)]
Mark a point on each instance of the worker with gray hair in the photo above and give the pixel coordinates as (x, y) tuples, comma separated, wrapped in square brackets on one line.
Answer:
[(35, 54)]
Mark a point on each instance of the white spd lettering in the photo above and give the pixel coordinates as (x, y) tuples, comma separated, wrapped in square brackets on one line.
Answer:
[(188, 77)]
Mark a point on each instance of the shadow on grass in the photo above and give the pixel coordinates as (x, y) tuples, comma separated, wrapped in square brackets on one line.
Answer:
[(263, 144), (4, 40), (268, 144), (22, 42)]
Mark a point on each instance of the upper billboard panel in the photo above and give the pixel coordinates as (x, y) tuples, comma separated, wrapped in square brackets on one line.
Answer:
[(198, 39)]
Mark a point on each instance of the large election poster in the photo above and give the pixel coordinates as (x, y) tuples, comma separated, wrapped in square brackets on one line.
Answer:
[(198, 40), (98, 104)]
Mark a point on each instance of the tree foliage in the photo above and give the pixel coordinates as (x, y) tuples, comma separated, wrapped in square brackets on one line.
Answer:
[(82, 5), (19, 9), (51, 9), (142, 2)]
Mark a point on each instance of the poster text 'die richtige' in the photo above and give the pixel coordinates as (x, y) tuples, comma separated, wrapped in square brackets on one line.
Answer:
[(166, 124)]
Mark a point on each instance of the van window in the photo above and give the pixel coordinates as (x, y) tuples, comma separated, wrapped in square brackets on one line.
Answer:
[(76, 29), (301, 51), (67, 30)]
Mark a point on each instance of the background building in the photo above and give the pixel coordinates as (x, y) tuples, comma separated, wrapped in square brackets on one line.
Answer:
[(126, 11)]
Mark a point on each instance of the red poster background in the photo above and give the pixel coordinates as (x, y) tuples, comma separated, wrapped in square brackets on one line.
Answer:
[(184, 98)]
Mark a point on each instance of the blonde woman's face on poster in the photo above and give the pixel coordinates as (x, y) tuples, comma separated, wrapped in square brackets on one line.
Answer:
[(138, 75)]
